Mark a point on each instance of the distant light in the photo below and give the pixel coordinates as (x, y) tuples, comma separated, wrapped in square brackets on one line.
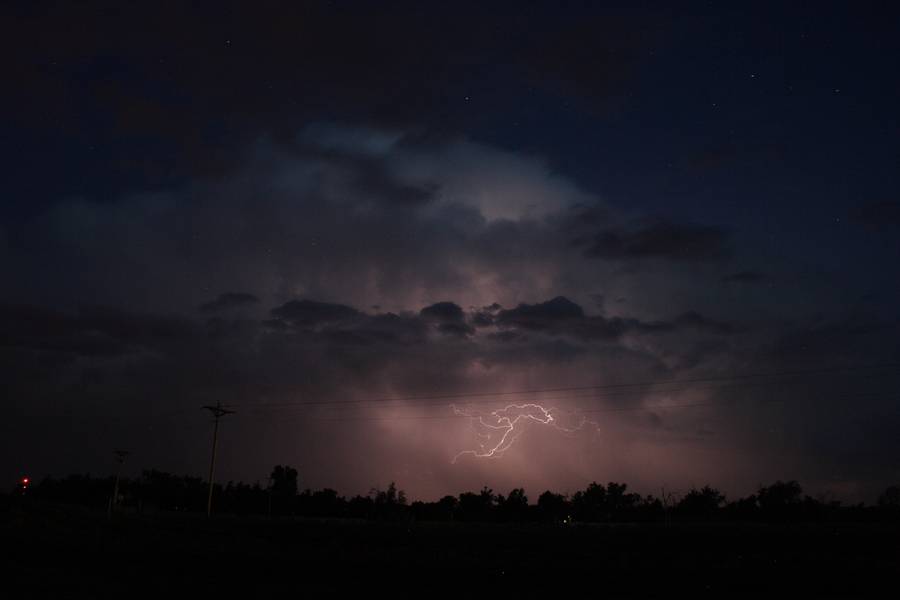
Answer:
[(25, 480)]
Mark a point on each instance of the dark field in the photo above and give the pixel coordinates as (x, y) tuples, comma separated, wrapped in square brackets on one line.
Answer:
[(70, 552)]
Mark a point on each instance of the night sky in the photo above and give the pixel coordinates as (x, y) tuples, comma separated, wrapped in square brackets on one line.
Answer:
[(672, 228)]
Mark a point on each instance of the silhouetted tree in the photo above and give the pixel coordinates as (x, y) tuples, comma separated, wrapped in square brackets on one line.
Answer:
[(553, 507), (447, 507), (650, 509), (283, 489), (389, 497), (743, 509), (513, 507), (476, 507), (890, 498), (321, 503), (780, 500), (780, 493), (611, 503), (702, 503), (388, 503), (361, 507), (83, 490), (243, 499), (590, 504), (620, 503), (172, 492), (284, 480)]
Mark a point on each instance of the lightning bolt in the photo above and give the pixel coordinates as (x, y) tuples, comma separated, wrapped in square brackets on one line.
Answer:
[(500, 425)]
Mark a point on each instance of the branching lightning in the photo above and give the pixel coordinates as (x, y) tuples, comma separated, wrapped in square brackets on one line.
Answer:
[(498, 429)]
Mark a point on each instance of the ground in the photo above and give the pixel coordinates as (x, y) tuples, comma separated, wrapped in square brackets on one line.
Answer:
[(72, 552)]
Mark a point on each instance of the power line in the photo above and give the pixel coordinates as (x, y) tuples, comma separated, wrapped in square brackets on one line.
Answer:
[(263, 409), (609, 391), (613, 386), (890, 394)]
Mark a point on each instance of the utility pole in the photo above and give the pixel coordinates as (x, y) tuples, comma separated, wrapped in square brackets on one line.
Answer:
[(217, 412), (120, 458)]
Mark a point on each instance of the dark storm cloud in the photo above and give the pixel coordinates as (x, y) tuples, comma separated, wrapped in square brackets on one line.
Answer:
[(311, 313), (561, 316), (444, 312), (91, 331), (45, 330), (394, 329), (229, 300), (661, 240), (599, 301), (318, 327), (482, 319), (557, 311), (339, 325), (457, 329), (448, 318), (486, 315)]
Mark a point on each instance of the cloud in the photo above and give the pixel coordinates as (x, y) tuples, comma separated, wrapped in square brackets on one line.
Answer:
[(443, 312), (555, 312), (229, 300), (90, 331), (318, 220), (44, 330), (663, 240), (561, 316), (448, 318), (309, 313)]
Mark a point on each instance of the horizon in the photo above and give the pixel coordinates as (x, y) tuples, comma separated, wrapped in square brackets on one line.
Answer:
[(264, 484)]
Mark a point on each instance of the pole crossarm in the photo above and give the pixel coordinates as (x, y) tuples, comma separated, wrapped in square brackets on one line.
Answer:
[(217, 412)]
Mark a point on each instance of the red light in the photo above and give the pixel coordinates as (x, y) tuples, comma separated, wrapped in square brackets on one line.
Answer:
[(25, 480)]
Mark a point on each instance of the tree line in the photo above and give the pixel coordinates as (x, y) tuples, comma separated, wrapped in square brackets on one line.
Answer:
[(157, 491)]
